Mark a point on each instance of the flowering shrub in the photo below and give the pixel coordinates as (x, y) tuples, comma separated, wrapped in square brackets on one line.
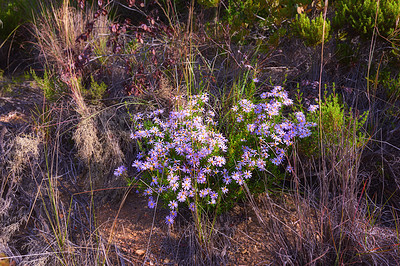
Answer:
[(184, 156), (262, 135)]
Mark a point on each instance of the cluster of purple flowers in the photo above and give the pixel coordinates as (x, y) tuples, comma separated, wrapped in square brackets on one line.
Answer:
[(185, 152), (273, 132), (120, 170)]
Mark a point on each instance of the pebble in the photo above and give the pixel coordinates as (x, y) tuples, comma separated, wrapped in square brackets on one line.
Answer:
[(140, 252)]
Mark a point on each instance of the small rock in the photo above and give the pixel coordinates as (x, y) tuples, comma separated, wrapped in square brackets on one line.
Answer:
[(140, 252)]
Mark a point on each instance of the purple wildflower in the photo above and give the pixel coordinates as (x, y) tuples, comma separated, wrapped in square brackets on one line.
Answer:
[(203, 193), (213, 195), (313, 108), (148, 191), (169, 220), (173, 204), (181, 196), (120, 170), (251, 127), (151, 203)]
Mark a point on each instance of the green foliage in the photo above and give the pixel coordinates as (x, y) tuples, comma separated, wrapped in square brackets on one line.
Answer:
[(209, 3), (347, 52), (338, 123), (14, 13), (242, 16), (10, 17), (6, 90), (390, 83), (47, 84), (360, 15), (311, 30), (96, 91)]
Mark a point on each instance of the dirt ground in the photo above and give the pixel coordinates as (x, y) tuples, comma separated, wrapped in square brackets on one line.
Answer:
[(242, 240)]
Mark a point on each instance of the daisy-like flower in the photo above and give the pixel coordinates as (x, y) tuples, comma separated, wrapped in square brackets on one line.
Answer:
[(191, 193), (226, 179), (246, 174), (300, 117), (148, 191), (276, 161), (120, 170), (187, 179), (246, 105), (186, 185), (151, 203), (154, 181), (251, 127), (169, 220), (174, 186), (264, 95), (239, 180), (173, 204), (224, 190), (192, 206), (201, 179), (204, 97), (179, 150), (235, 176), (313, 108), (203, 193), (261, 164), (219, 161), (213, 195), (207, 169), (287, 102), (172, 178), (181, 196), (173, 213), (161, 189)]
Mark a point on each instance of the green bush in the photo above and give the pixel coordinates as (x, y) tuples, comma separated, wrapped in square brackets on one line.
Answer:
[(96, 91), (243, 16), (47, 84), (10, 17), (14, 13), (311, 30), (360, 16), (338, 122), (209, 3), (390, 84)]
